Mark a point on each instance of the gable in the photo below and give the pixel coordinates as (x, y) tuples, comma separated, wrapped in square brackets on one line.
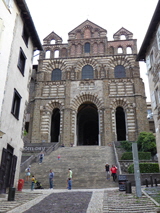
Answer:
[(52, 36), (124, 32), (90, 25)]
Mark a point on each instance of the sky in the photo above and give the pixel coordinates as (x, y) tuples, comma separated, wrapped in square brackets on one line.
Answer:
[(62, 16)]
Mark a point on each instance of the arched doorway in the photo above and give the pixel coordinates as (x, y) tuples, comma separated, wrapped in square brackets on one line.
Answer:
[(120, 124), (87, 124), (55, 125)]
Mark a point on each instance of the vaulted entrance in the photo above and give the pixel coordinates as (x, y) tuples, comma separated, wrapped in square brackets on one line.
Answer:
[(120, 124), (87, 124), (55, 125)]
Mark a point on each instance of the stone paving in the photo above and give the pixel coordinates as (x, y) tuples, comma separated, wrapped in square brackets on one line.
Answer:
[(79, 201)]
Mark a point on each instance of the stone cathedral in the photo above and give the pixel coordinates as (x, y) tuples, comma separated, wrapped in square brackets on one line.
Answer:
[(88, 91)]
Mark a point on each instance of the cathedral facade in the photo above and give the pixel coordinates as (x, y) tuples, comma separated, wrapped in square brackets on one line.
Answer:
[(88, 91)]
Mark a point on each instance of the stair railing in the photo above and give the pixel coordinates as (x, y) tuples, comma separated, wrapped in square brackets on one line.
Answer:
[(35, 158)]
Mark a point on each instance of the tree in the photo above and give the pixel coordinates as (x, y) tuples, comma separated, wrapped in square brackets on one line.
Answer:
[(146, 142)]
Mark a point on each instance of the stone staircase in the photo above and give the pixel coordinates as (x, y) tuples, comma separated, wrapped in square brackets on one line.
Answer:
[(86, 162)]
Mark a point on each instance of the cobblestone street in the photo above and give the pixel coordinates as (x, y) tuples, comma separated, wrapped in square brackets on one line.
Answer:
[(80, 201)]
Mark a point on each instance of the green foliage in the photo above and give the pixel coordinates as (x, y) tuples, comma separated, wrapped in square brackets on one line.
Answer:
[(145, 168), (126, 145), (141, 156), (25, 133), (146, 142)]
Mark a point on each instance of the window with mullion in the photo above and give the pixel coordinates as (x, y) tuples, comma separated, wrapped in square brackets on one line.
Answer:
[(87, 72), (16, 104), (21, 61), (87, 47)]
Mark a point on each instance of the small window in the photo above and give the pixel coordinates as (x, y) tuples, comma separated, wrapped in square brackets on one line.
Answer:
[(16, 104), (21, 61), (87, 47), (129, 50), (56, 54), (87, 72), (48, 54), (25, 35), (56, 75), (119, 72), (120, 50)]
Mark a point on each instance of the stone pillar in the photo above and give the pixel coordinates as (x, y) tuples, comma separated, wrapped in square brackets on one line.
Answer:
[(67, 126)]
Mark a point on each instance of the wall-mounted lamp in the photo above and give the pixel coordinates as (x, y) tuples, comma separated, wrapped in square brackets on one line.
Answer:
[(1, 134)]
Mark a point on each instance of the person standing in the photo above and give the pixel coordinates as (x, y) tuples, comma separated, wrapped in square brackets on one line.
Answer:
[(114, 172), (107, 171), (51, 175), (32, 182), (70, 173), (69, 184)]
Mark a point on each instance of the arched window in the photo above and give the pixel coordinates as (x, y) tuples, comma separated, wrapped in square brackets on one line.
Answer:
[(56, 54), (56, 75), (129, 50), (87, 72), (122, 37), (120, 50), (87, 47), (48, 54), (119, 71)]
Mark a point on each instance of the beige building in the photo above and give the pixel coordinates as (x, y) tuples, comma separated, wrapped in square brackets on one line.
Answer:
[(18, 40), (150, 53), (88, 91)]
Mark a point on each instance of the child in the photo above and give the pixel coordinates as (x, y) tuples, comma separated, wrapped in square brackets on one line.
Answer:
[(59, 157), (32, 182)]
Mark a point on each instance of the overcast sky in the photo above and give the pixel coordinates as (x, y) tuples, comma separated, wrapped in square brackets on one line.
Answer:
[(62, 16)]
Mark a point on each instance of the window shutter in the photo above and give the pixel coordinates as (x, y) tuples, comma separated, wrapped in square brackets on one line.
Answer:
[(158, 37), (148, 63), (153, 100)]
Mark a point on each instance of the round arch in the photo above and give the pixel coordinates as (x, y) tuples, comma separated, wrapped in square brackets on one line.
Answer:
[(87, 124)]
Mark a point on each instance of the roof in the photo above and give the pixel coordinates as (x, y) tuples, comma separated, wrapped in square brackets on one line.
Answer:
[(150, 32), (29, 22)]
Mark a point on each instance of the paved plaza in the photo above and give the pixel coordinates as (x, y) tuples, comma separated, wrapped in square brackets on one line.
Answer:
[(79, 201)]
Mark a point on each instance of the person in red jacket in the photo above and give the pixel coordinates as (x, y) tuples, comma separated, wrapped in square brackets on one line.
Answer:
[(114, 172)]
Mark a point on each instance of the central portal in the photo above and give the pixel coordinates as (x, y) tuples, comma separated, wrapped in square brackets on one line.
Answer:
[(87, 124)]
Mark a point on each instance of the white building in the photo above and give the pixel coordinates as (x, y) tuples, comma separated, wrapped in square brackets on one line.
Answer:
[(150, 53), (18, 41)]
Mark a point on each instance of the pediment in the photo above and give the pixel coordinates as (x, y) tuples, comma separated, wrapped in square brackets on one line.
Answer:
[(53, 36), (123, 31), (89, 24)]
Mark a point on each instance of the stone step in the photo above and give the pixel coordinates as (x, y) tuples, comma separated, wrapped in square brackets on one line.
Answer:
[(116, 201), (86, 162)]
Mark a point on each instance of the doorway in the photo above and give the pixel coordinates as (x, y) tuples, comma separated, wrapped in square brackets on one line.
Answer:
[(87, 124), (55, 125), (120, 124)]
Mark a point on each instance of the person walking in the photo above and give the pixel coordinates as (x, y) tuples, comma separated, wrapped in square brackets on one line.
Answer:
[(107, 170), (114, 172), (51, 175), (28, 173), (41, 156)]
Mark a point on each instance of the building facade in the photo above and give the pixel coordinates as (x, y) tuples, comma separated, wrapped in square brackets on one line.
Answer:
[(88, 91), (18, 40), (150, 53)]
